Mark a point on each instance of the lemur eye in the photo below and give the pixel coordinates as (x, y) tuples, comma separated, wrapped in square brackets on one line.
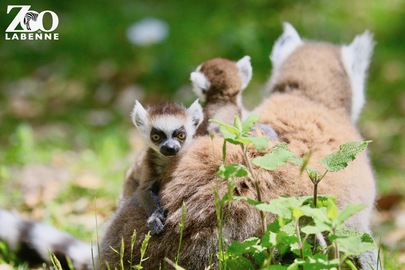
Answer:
[(181, 136), (155, 137)]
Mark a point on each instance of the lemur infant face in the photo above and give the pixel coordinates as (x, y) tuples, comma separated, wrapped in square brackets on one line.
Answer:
[(170, 134), (169, 143), (167, 128)]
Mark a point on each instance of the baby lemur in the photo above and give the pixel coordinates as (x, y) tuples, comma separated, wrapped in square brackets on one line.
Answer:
[(219, 82), (167, 130)]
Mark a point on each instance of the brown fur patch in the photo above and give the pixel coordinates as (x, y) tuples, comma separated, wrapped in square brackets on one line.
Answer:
[(306, 70), (222, 95), (225, 79), (168, 108)]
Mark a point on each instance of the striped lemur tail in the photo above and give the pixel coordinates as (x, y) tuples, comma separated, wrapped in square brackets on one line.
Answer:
[(34, 242)]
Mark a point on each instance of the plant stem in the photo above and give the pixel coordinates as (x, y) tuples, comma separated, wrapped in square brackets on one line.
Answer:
[(219, 214), (224, 152), (336, 246), (256, 183), (316, 181), (315, 193), (337, 253), (297, 231), (183, 217)]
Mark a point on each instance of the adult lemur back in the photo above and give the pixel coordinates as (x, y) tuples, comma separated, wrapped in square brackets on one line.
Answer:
[(317, 90)]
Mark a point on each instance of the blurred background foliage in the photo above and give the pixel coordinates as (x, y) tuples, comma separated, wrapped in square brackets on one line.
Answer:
[(66, 103)]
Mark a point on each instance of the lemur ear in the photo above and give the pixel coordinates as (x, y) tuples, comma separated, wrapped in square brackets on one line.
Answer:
[(245, 68), (200, 83), (285, 45), (139, 116), (196, 113), (356, 59)]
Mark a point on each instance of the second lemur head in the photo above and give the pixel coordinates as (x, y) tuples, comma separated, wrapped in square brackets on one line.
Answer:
[(167, 128), (221, 79)]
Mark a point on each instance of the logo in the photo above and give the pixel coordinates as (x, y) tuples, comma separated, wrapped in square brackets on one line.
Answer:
[(29, 24)]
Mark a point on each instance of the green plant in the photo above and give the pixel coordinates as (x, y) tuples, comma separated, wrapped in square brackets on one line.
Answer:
[(142, 251), (181, 224), (300, 221), (239, 134)]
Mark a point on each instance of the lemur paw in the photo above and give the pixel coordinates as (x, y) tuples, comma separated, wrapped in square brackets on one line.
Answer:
[(265, 130), (156, 222)]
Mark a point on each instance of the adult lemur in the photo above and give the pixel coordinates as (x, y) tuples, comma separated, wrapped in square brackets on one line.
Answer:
[(317, 91)]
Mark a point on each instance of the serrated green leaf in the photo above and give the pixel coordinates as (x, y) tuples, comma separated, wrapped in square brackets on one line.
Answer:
[(284, 241), (278, 156), (260, 143), (332, 211), (250, 246), (235, 261), (248, 200), (237, 123), (239, 248), (249, 122), (233, 170), (322, 200), (306, 250), (282, 206), (289, 228), (228, 136), (297, 213), (366, 238), (313, 229), (354, 246), (340, 159), (243, 140), (320, 218), (271, 161), (316, 262), (349, 211), (269, 238), (228, 127)]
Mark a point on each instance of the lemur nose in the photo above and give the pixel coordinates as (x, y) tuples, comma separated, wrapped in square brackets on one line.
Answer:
[(169, 150)]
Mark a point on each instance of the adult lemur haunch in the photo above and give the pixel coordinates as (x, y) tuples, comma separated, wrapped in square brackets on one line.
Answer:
[(167, 130)]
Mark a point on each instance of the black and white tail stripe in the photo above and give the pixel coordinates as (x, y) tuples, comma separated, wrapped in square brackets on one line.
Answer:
[(34, 242), (28, 17)]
